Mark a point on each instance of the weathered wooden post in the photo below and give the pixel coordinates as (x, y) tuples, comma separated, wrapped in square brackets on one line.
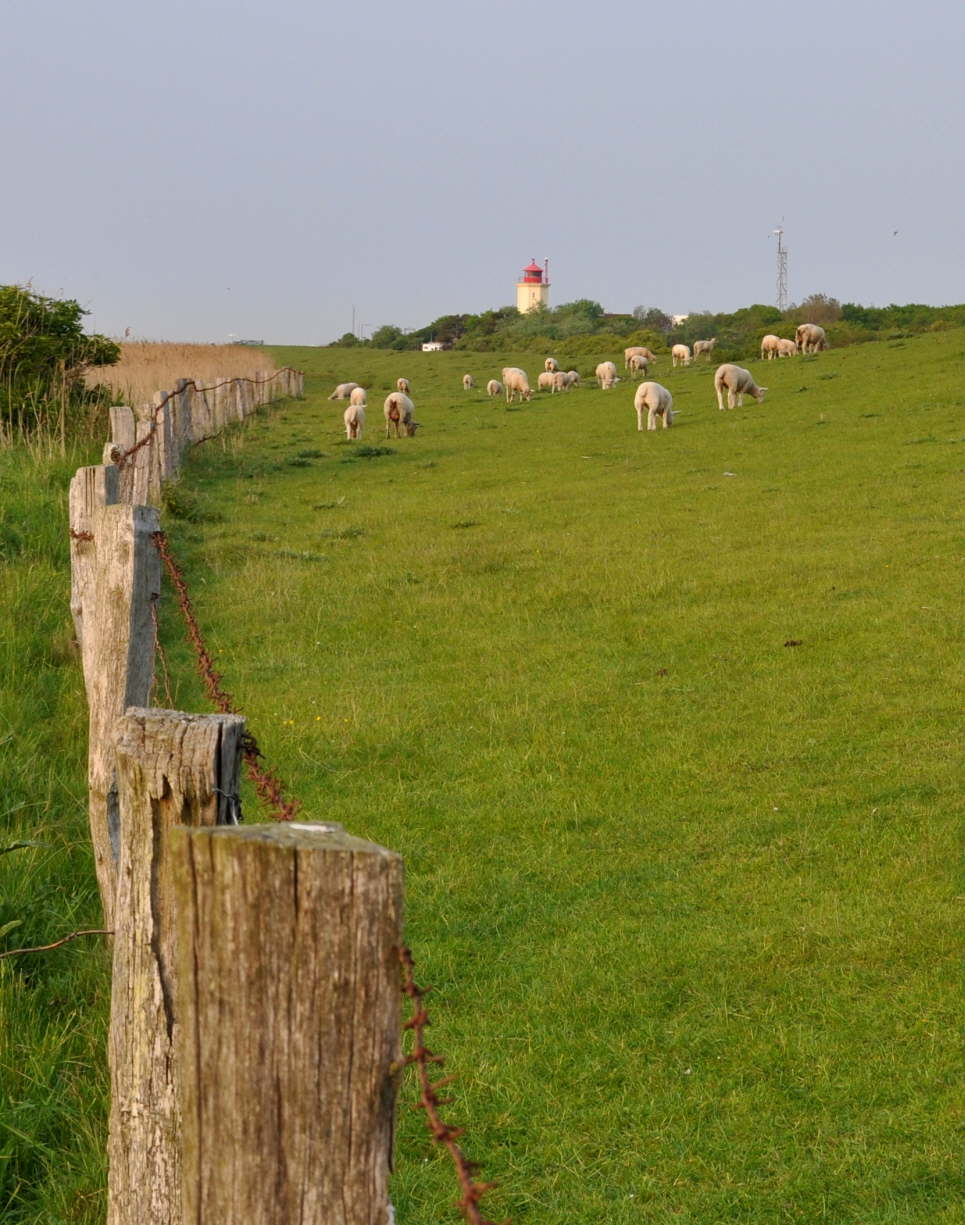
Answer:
[(118, 652), (172, 768), (287, 999), (90, 489)]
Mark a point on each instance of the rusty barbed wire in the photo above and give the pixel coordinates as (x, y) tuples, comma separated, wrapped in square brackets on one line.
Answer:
[(267, 784), (75, 535), (161, 653), (429, 1100), (44, 948)]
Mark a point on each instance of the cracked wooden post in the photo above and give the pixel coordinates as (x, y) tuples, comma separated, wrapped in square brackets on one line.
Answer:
[(172, 768), (118, 661), (90, 489), (287, 999)]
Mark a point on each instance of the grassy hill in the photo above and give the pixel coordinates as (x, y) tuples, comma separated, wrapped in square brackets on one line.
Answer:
[(665, 728)]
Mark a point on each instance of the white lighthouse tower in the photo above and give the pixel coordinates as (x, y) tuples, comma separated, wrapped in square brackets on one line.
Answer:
[(533, 288)]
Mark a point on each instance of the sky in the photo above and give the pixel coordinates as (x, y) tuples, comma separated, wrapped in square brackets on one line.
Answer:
[(207, 170)]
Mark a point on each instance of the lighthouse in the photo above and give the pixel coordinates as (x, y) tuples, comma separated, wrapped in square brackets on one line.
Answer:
[(533, 287)]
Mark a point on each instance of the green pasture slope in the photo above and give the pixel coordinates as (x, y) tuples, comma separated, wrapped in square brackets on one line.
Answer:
[(665, 727)]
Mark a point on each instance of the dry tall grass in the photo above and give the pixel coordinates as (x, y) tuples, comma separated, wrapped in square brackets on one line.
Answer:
[(146, 367)]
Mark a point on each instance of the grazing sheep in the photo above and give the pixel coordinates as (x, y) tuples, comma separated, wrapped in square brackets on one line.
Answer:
[(551, 365), (358, 397), (738, 382), (638, 363), (642, 350), (572, 378), (658, 402), (560, 382), (606, 373), (786, 348), (399, 411), (704, 346), (544, 380), (402, 385), (343, 391), (680, 354), (354, 418), (516, 383), (811, 338), (468, 382), (769, 346), (494, 387)]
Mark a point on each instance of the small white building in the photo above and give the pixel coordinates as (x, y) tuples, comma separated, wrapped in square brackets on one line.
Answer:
[(677, 320), (432, 346)]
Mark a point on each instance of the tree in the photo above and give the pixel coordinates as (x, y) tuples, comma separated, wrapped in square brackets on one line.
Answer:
[(816, 308), (652, 317)]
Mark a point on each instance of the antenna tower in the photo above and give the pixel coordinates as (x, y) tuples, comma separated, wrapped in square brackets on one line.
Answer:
[(781, 269)]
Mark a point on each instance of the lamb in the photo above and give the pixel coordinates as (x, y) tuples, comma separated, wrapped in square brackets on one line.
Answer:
[(606, 373), (658, 402), (811, 338), (680, 355), (704, 346), (769, 346), (468, 382), (354, 418), (638, 363), (738, 382), (544, 381), (399, 411), (343, 391), (786, 348), (494, 387), (551, 365), (402, 385), (641, 350), (516, 383)]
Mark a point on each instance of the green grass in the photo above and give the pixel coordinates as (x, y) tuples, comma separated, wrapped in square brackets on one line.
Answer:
[(684, 891)]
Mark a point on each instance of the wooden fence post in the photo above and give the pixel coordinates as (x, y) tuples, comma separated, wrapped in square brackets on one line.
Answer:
[(287, 997), (172, 768), (90, 489), (119, 662)]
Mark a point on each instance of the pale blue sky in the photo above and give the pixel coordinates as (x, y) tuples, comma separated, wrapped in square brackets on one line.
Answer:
[(195, 170)]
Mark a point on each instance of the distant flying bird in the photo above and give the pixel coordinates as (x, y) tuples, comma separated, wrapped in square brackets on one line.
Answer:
[(893, 233)]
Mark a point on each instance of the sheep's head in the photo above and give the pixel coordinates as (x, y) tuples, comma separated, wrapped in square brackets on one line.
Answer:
[(759, 394), (410, 428)]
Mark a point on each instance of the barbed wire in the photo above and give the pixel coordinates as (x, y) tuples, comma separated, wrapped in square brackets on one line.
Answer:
[(267, 783), (442, 1133)]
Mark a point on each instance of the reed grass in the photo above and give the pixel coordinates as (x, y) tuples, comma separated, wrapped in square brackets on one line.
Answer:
[(149, 366)]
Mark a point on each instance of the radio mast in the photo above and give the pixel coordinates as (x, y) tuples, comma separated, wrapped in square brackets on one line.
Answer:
[(781, 269)]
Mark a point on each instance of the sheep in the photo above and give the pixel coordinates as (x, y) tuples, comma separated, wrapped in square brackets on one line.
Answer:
[(642, 350), (551, 365), (572, 378), (606, 373), (658, 402), (769, 346), (786, 348), (680, 354), (544, 380), (399, 411), (737, 382), (343, 391), (704, 346), (402, 385), (358, 397), (560, 382), (494, 387), (354, 418), (468, 382), (810, 338), (638, 363), (516, 383)]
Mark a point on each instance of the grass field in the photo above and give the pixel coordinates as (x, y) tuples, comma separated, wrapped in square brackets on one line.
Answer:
[(666, 728)]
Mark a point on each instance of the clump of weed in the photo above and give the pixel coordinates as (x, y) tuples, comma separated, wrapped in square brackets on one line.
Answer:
[(311, 454), (466, 523), (367, 453), (184, 504), (297, 461), (343, 533)]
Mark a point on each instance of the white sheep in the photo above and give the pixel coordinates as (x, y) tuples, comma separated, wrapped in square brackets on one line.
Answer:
[(638, 363), (658, 402), (680, 355), (786, 348), (516, 383), (572, 378), (606, 373), (811, 338), (561, 382), (704, 346), (636, 349), (738, 382), (769, 346), (494, 387), (354, 418), (402, 385), (544, 380), (399, 414), (343, 391), (551, 365), (468, 382)]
